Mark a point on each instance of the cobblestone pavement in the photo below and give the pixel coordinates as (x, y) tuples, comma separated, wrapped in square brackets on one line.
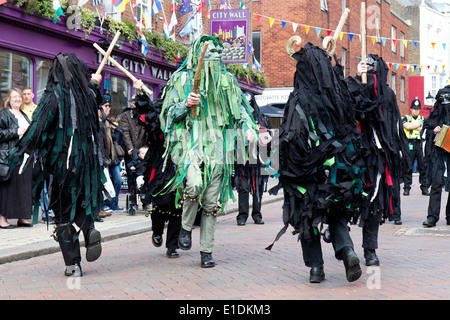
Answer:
[(414, 264)]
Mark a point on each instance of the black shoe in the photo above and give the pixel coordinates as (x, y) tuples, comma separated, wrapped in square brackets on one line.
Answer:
[(94, 246), (316, 274), (185, 239), (73, 270), (429, 223), (98, 219), (406, 192), (7, 227), (371, 257), (398, 222), (172, 253), (426, 192), (259, 221), (351, 263), (207, 260), (241, 223), (326, 235), (157, 240)]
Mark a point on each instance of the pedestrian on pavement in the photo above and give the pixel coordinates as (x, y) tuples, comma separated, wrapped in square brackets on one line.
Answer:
[(250, 177), (117, 155), (134, 137), (204, 122), (386, 155), (438, 167), (16, 200), (65, 134), (28, 108), (320, 163), (413, 125)]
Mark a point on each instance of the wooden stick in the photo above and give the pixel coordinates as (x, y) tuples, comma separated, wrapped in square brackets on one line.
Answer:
[(197, 76), (363, 39), (329, 43), (115, 63), (108, 53)]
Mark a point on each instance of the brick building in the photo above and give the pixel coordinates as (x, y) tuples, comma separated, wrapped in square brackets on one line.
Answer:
[(273, 24)]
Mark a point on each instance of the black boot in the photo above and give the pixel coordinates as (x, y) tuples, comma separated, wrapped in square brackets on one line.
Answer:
[(371, 257), (351, 263), (316, 274), (185, 239), (74, 270), (157, 240), (94, 247), (207, 260)]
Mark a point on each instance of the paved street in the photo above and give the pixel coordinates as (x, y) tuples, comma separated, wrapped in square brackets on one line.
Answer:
[(414, 263)]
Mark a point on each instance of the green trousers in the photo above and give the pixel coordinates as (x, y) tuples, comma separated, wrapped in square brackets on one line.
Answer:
[(209, 203)]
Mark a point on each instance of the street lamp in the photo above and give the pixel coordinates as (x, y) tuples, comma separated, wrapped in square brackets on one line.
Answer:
[(429, 99)]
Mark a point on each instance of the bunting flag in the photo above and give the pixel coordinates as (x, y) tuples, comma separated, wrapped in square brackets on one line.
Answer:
[(187, 28), (120, 4), (259, 18), (283, 23), (144, 44), (185, 7), (318, 31), (144, 20), (104, 13), (156, 7), (294, 26), (306, 29), (208, 10), (58, 10), (271, 22)]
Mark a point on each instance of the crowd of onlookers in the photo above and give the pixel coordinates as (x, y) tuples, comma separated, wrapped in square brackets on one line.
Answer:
[(120, 139)]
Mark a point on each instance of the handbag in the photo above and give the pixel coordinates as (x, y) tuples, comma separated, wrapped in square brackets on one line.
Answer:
[(5, 171), (119, 150)]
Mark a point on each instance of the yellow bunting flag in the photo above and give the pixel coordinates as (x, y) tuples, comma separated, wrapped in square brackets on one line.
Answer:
[(271, 20)]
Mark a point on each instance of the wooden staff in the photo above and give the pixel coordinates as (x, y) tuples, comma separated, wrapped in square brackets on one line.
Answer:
[(363, 39), (197, 77), (115, 63), (329, 43), (108, 53)]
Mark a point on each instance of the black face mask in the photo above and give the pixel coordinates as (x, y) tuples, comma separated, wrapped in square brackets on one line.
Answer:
[(371, 64)]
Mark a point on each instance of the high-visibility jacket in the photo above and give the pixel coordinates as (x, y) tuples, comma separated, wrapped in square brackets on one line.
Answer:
[(415, 133)]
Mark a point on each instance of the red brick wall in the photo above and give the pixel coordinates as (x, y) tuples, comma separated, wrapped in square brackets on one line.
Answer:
[(278, 66)]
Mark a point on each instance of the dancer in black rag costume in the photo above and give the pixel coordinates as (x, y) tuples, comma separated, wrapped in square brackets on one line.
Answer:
[(164, 208), (386, 150), (63, 133), (439, 159), (320, 165)]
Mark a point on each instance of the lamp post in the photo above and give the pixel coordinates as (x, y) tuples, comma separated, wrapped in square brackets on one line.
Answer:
[(429, 102)]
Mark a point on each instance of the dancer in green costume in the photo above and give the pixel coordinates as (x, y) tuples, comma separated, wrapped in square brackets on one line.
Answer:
[(204, 146)]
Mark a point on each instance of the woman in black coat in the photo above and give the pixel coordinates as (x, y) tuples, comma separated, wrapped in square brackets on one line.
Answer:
[(15, 193)]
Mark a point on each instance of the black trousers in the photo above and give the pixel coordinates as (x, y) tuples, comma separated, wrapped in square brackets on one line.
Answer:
[(370, 231), (173, 226), (434, 205), (340, 238), (68, 236), (244, 188), (416, 154)]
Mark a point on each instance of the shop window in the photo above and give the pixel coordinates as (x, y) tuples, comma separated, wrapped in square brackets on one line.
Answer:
[(42, 69), (120, 94), (15, 72)]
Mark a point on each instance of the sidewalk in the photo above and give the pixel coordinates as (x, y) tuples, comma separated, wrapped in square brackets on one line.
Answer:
[(24, 243)]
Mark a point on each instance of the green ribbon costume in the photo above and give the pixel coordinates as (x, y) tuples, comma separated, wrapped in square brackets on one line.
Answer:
[(217, 135)]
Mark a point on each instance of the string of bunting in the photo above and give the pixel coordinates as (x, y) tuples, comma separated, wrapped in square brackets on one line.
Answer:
[(352, 35)]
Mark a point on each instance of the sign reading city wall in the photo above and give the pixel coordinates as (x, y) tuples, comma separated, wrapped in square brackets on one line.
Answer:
[(231, 27)]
